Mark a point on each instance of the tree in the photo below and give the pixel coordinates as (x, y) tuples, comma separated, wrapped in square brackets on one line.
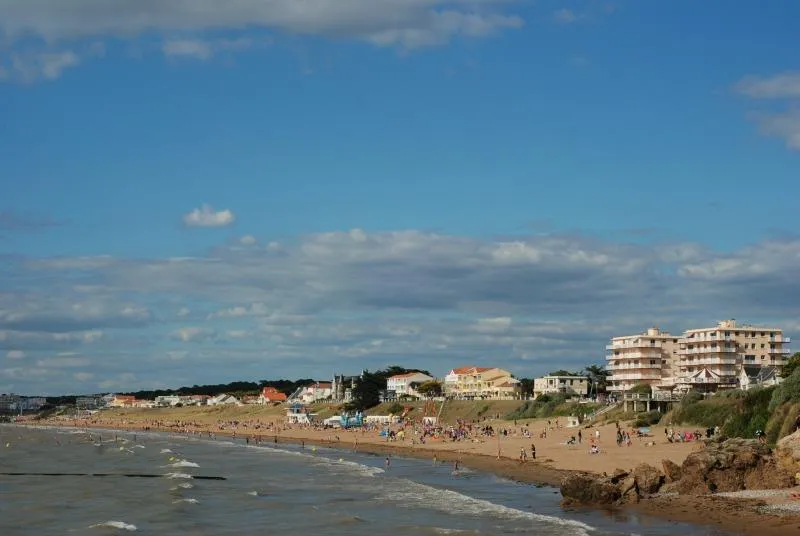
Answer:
[(598, 378), (564, 373), (791, 365), (430, 389), (366, 393)]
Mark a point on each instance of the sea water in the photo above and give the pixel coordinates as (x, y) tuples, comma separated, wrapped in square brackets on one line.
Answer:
[(273, 489)]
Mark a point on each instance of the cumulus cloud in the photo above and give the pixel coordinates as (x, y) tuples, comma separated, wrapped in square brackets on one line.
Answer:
[(28, 65), (785, 88), (407, 23), (206, 216), (780, 86), (353, 299)]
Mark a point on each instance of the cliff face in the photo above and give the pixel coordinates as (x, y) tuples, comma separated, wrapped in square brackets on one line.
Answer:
[(730, 465)]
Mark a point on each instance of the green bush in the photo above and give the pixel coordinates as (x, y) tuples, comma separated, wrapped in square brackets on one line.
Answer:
[(642, 389), (538, 409), (648, 419), (395, 409), (788, 391), (738, 413)]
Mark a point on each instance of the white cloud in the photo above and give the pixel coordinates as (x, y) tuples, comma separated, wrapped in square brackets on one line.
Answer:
[(255, 309), (407, 23), (206, 216), (203, 49), (247, 240), (781, 125), (15, 354), (184, 311), (192, 333), (781, 86)]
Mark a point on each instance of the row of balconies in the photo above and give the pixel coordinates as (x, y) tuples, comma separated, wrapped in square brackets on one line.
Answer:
[(639, 344), (633, 366)]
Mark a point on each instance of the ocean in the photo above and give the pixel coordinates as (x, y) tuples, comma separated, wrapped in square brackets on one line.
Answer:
[(283, 489)]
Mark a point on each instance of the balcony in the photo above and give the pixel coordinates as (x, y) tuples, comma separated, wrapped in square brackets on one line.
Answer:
[(635, 355), (638, 344), (724, 349), (637, 376), (779, 351), (705, 360), (633, 366)]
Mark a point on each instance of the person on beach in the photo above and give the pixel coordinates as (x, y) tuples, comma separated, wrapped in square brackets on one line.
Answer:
[(533, 451), (388, 462), (580, 436)]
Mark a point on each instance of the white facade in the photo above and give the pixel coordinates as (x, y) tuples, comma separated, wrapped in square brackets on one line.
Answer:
[(404, 384), (315, 393), (223, 399), (568, 385)]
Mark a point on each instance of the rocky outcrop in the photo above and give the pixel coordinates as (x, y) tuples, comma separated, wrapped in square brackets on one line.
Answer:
[(648, 479), (732, 465), (580, 488), (672, 471), (787, 453)]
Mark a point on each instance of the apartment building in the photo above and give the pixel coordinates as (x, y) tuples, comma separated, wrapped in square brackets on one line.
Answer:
[(713, 358), (567, 385), (406, 384), (650, 357), (705, 359)]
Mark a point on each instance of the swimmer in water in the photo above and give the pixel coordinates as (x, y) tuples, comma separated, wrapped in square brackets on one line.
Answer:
[(388, 462)]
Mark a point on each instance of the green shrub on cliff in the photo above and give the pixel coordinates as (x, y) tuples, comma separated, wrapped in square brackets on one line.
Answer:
[(738, 413)]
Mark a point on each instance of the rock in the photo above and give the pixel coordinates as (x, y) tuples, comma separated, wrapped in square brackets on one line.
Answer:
[(648, 479), (672, 471), (732, 465), (585, 489), (627, 485), (618, 475), (788, 453)]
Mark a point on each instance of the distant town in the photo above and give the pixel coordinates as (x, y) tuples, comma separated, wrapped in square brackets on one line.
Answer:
[(726, 356)]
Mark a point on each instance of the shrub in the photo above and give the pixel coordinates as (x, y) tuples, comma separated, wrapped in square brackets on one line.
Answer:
[(788, 391), (642, 389), (648, 419), (395, 409)]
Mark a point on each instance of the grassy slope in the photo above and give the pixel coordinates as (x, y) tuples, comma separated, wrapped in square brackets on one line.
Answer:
[(458, 409)]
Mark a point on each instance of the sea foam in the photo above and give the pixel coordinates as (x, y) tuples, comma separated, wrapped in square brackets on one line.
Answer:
[(115, 524)]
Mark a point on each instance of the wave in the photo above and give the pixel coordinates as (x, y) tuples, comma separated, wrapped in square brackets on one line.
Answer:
[(178, 475), (410, 493), (182, 463), (165, 451), (116, 525), (190, 501)]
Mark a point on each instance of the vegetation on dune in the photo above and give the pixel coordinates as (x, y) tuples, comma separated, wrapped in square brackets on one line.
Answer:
[(738, 413), (556, 405)]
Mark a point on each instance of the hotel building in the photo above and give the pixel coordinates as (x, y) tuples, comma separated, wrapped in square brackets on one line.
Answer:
[(705, 359)]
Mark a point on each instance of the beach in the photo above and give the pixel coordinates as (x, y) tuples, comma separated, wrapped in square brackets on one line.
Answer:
[(555, 458)]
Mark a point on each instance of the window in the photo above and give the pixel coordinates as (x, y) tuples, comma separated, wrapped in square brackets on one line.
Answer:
[(762, 345)]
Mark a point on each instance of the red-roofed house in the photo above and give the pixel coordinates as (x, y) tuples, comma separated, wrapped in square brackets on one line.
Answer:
[(481, 383), (270, 394), (122, 401)]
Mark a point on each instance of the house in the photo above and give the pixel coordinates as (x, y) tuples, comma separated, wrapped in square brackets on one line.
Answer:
[(168, 401), (406, 384), (566, 385), (481, 383), (269, 395), (9, 403), (313, 393), (298, 414), (223, 399), (89, 402), (122, 401), (752, 377), (32, 403)]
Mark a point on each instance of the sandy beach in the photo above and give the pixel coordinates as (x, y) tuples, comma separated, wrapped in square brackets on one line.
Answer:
[(554, 456)]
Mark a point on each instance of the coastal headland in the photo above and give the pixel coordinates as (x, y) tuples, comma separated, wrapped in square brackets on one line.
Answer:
[(555, 455)]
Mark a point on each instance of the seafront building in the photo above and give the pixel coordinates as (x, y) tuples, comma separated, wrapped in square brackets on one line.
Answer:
[(406, 384), (566, 385), (705, 359), (470, 383)]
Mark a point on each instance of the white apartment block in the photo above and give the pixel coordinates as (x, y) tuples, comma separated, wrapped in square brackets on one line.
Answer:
[(648, 357), (568, 385), (705, 359)]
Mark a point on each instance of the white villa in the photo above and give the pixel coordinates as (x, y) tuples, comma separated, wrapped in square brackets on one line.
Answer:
[(568, 385), (481, 383), (406, 384)]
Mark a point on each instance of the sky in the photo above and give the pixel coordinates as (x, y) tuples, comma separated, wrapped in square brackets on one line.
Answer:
[(201, 192)]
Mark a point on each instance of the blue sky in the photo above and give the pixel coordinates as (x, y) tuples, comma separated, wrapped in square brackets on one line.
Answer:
[(418, 182)]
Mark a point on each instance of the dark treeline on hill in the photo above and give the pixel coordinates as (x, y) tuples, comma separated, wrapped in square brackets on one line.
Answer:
[(234, 388)]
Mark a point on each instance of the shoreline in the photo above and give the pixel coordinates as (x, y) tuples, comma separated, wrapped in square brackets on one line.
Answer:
[(734, 515)]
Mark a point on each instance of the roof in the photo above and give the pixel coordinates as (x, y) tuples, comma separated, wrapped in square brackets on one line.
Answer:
[(760, 374), (324, 385), (470, 370), (273, 394), (407, 375), (125, 397)]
